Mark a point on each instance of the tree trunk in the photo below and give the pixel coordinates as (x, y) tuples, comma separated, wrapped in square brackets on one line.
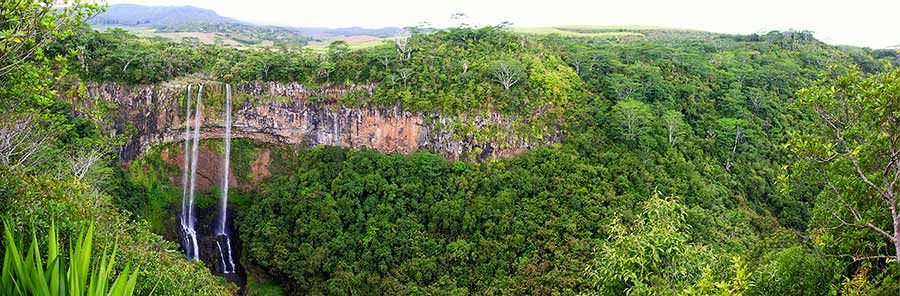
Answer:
[(896, 220), (671, 130)]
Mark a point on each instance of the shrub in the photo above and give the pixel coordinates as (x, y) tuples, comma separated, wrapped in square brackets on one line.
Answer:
[(793, 271), (26, 273)]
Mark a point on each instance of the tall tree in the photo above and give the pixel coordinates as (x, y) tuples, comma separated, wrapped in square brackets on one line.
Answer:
[(674, 123), (27, 26), (632, 118), (854, 147), (646, 257), (507, 73), (733, 132)]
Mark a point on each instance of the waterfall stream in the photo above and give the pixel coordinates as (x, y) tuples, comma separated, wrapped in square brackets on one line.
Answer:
[(185, 172), (223, 241), (189, 232), (189, 183)]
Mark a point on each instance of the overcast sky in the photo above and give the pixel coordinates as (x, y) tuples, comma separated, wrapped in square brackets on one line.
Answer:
[(873, 23)]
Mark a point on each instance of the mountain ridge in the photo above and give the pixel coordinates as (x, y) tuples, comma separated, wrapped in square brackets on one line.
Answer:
[(187, 17), (143, 15)]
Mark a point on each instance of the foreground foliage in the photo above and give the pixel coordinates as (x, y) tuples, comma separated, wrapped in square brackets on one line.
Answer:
[(26, 274), (56, 165), (35, 200), (851, 150)]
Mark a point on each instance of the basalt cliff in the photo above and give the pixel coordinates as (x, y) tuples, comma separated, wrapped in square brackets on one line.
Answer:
[(289, 113)]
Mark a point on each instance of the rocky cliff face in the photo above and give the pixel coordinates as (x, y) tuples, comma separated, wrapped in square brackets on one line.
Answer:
[(294, 114)]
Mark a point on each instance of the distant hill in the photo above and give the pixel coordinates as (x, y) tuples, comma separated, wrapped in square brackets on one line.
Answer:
[(153, 16), (207, 26)]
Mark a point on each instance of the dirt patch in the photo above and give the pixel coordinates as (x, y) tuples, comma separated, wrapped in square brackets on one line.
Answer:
[(165, 156), (351, 40), (260, 167)]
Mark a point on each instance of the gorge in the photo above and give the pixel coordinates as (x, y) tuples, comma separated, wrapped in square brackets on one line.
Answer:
[(284, 114)]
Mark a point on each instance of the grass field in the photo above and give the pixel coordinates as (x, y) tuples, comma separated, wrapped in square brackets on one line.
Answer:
[(355, 42), (579, 28), (574, 33), (607, 31)]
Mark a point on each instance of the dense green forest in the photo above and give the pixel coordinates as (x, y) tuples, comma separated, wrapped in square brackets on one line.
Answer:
[(691, 163)]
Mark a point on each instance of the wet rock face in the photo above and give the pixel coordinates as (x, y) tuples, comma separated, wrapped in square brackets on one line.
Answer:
[(207, 221), (293, 114), (209, 169)]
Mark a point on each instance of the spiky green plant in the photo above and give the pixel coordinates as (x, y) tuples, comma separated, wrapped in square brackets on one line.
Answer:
[(26, 274)]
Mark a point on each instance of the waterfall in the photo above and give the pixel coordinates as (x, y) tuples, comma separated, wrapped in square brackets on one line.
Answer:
[(189, 183), (188, 219), (223, 241), (187, 234)]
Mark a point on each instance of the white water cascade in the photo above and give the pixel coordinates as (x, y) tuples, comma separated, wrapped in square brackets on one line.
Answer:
[(189, 232), (223, 241)]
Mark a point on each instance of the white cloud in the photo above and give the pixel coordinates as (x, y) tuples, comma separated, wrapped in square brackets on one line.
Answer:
[(863, 22)]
